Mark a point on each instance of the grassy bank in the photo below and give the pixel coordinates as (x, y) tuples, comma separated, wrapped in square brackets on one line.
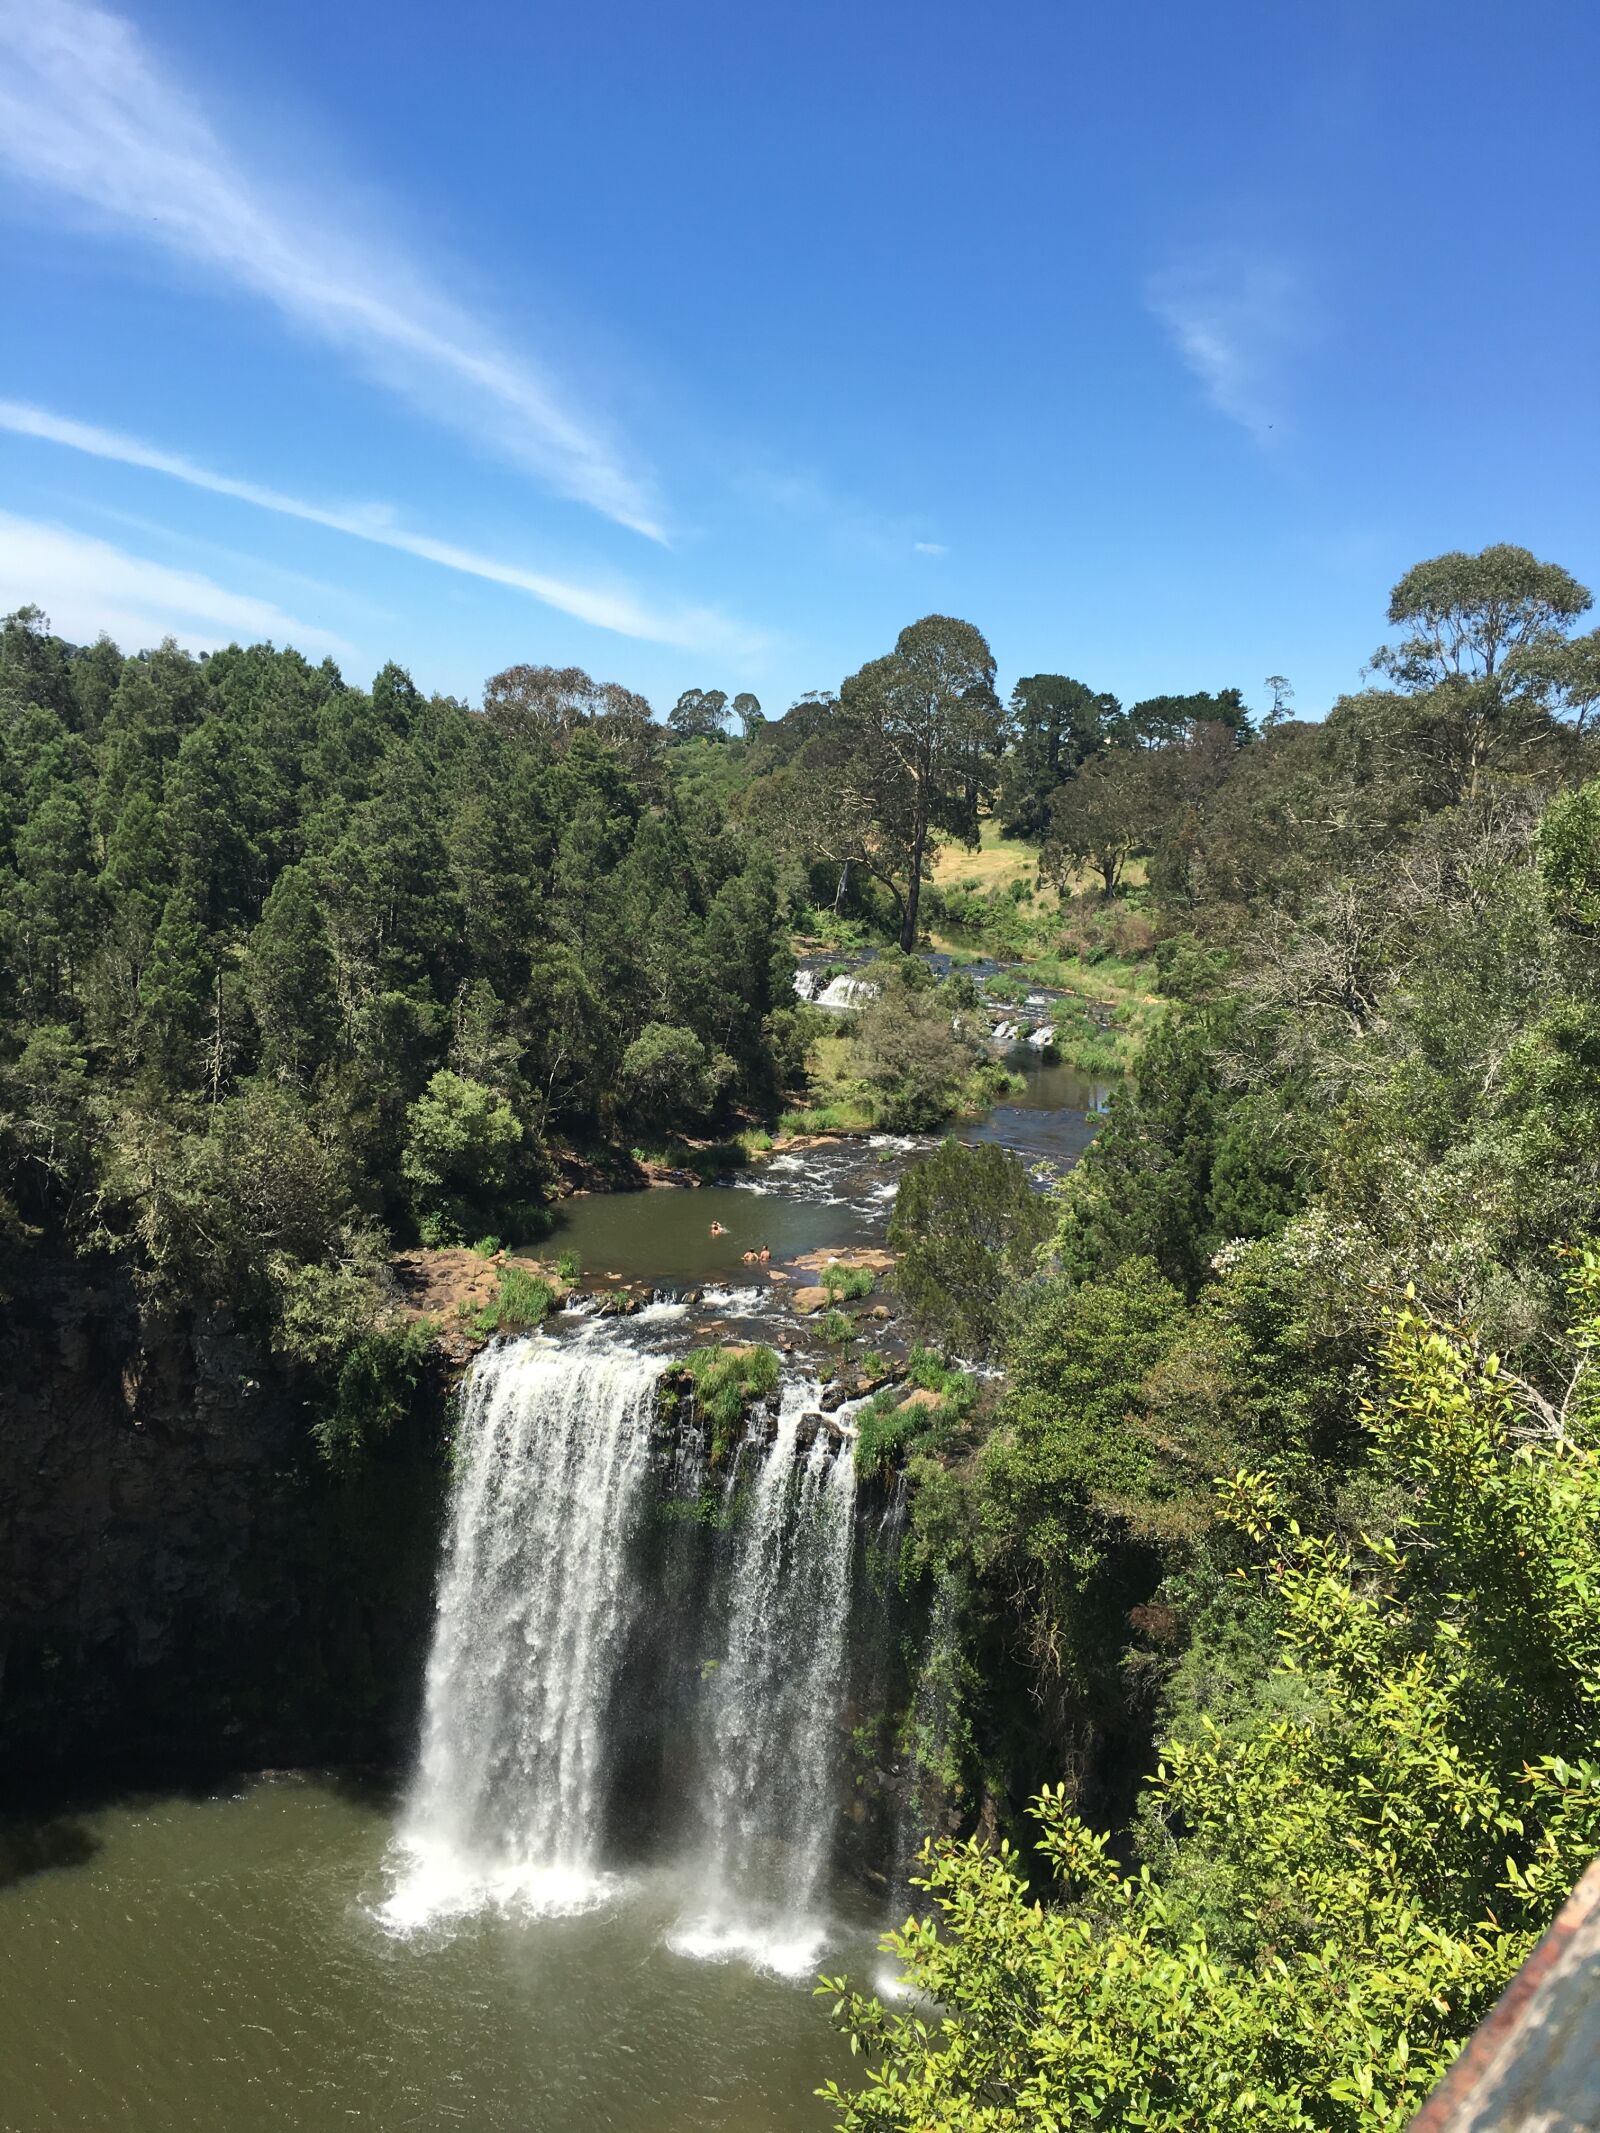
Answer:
[(990, 904)]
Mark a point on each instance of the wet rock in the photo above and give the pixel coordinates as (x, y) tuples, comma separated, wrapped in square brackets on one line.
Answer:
[(866, 1387), (878, 1311), (809, 1300), (805, 1432), (834, 1395)]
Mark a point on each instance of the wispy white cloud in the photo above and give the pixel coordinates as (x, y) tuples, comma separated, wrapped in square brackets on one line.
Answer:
[(85, 111), (1236, 315), (855, 529), (693, 629), (86, 586)]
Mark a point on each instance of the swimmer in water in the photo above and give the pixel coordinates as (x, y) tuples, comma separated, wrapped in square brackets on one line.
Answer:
[(718, 1229), (750, 1258), (764, 1254)]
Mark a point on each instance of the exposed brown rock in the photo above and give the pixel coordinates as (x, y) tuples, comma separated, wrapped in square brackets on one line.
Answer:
[(875, 1260), (921, 1397)]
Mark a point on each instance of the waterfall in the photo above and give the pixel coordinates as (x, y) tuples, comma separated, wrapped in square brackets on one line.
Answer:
[(847, 993), (508, 1799), (773, 1703), (892, 1520)]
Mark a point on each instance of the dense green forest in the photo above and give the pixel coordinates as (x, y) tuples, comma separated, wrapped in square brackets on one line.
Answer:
[(1275, 1535)]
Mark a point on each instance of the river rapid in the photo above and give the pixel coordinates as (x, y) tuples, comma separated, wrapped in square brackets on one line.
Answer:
[(480, 1944)]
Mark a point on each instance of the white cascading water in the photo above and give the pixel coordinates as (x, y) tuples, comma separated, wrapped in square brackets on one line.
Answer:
[(534, 1602), (847, 993), (773, 1705)]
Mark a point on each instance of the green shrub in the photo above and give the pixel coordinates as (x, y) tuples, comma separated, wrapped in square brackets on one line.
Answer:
[(461, 1147), (883, 1431), (822, 923), (836, 1327), (486, 1247), (829, 1118), (989, 1083), (1569, 858), (569, 1266), (846, 1283), (929, 1372), (523, 1300), (887, 1429), (726, 1382), (373, 1389)]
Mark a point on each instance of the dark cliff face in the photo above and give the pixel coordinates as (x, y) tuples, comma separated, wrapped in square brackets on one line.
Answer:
[(183, 1582)]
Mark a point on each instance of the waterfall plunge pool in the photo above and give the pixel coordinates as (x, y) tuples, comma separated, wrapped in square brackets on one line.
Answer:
[(221, 1963)]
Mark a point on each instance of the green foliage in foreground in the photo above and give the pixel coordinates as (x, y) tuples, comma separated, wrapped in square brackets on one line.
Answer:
[(1341, 1879), (726, 1382)]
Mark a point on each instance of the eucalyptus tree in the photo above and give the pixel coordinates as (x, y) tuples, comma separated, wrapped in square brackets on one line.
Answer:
[(699, 715), (840, 799), (1112, 809), (1485, 663), (540, 704), (929, 719)]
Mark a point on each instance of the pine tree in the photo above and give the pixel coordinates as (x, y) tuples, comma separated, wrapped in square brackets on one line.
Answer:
[(288, 974)]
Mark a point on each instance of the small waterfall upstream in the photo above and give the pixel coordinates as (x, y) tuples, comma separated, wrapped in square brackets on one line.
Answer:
[(534, 1602), (773, 1703)]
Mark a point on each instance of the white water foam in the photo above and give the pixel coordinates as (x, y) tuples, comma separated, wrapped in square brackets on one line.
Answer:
[(774, 1701), (505, 1809)]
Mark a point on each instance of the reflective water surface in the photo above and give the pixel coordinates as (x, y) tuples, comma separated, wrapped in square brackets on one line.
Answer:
[(218, 1962), (823, 1197)]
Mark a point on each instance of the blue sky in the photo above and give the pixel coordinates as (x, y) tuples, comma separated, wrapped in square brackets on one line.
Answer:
[(710, 344)]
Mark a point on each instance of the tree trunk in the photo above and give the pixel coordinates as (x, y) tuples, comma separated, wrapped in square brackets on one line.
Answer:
[(908, 923)]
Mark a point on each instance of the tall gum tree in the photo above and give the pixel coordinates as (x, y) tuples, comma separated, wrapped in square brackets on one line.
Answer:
[(1486, 661), (929, 709)]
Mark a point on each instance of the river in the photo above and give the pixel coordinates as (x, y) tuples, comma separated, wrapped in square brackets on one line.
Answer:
[(315, 1952)]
